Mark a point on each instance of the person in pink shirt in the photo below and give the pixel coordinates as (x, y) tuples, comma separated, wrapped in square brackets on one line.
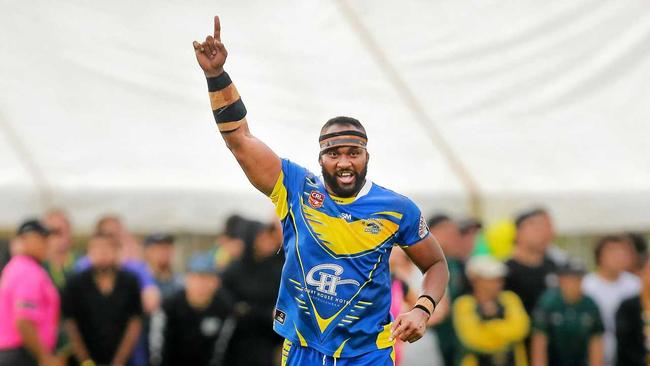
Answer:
[(29, 303)]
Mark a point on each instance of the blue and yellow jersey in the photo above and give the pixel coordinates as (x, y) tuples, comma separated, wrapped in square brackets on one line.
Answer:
[(335, 290)]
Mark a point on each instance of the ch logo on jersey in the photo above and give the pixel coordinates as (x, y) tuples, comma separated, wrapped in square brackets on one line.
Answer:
[(316, 199), (329, 277)]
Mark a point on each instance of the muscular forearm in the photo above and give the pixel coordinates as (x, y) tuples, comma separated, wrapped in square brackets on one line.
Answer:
[(31, 341), (435, 280), (78, 345), (258, 161), (261, 165), (128, 341)]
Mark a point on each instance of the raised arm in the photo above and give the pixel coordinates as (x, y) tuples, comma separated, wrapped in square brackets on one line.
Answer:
[(261, 165)]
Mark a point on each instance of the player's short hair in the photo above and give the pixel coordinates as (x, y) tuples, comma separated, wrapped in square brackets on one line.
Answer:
[(343, 121)]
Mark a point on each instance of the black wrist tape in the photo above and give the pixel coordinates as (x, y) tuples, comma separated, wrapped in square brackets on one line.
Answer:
[(227, 107), (219, 82), (430, 299), (418, 306)]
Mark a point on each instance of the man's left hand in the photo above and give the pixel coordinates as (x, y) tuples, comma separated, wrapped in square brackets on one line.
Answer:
[(409, 327)]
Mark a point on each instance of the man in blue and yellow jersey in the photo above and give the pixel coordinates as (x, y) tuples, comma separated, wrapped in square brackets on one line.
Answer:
[(334, 296)]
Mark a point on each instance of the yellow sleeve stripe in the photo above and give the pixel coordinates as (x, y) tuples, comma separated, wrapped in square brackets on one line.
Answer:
[(279, 197), (224, 97), (391, 213)]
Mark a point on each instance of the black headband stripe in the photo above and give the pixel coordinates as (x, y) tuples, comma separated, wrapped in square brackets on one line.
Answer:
[(343, 133), (339, 142)]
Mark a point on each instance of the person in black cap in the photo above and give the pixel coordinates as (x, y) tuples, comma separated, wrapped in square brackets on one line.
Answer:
[(29, 303), (159, 252), (195, 325), (253, 281), (567, 327)]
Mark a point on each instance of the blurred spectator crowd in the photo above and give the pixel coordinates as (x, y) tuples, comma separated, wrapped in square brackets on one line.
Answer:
[(121, 303), (514, 298)]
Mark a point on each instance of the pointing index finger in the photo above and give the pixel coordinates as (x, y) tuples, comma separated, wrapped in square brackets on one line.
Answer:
[(217, 28)]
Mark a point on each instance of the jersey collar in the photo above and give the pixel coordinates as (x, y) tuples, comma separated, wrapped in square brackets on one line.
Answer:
[(347, 200)]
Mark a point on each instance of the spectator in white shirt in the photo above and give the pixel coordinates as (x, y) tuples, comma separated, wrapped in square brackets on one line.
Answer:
[(611, 284)]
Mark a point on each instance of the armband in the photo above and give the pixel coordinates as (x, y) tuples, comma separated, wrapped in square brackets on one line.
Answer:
[(227, 107)]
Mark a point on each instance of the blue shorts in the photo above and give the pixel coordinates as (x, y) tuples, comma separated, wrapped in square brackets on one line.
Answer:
[(295, 355)]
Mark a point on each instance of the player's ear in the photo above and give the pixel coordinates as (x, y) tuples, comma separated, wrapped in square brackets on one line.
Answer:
[(320, 159)]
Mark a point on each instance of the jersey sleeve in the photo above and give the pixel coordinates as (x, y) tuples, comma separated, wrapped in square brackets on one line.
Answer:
[(288, 184), (28, 301), (413, 227)]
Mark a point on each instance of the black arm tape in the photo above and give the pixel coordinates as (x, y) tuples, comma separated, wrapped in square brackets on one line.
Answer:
[(231, 113), (430, 299), (219, 82), (422, 308)]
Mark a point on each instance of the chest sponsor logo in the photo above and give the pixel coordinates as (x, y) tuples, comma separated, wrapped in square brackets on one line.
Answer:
[(345, 216), (327, 277), (316, 199)]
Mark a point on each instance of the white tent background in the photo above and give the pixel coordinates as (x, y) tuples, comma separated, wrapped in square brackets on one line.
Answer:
[(103, 108)]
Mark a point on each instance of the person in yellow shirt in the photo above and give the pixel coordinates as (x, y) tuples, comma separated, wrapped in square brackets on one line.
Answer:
[(491, 323)]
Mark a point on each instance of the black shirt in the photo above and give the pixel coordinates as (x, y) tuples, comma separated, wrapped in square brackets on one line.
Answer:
[(631, 333), (254, 286), (529, 283), (102, 319), (183, 335)]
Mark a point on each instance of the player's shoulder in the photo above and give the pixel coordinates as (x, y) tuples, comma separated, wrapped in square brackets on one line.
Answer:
[(289, 166), (396, 200)]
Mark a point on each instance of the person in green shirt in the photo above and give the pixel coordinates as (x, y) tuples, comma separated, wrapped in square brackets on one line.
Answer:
[(567, 327)]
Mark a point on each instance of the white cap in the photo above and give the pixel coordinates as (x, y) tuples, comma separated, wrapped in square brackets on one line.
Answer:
[(485, 266)]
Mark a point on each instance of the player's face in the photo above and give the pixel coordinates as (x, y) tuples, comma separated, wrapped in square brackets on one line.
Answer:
[(344, 169)]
